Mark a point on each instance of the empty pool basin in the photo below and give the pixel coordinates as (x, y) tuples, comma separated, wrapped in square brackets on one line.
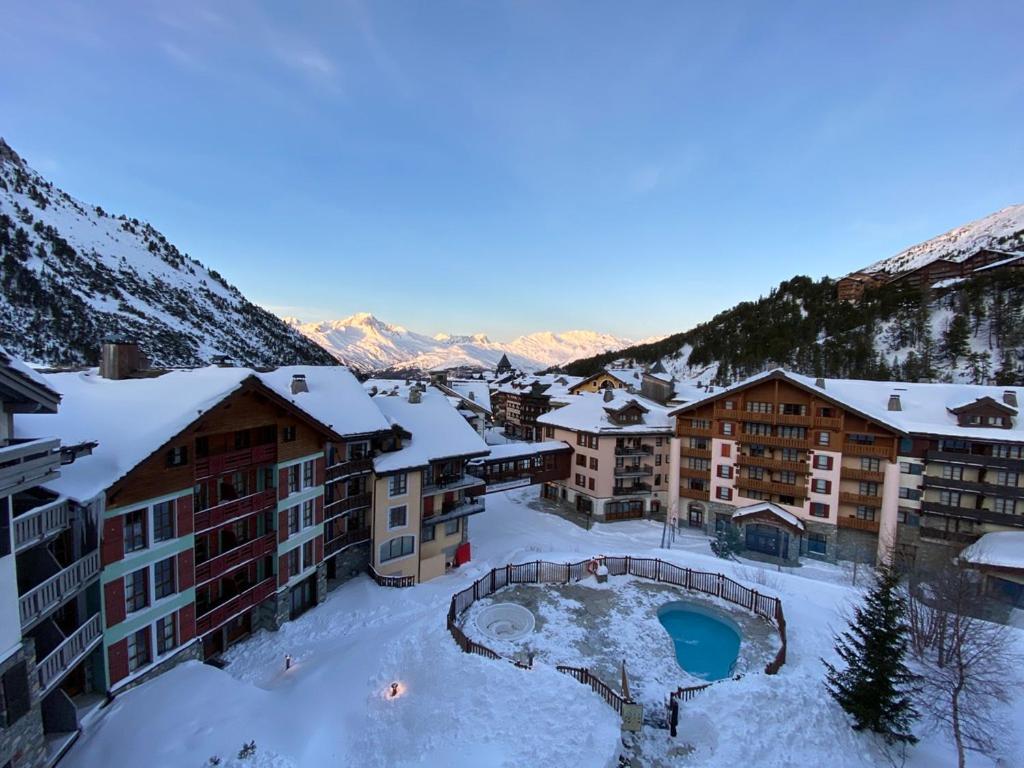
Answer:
[(505, 621), (706, 641)]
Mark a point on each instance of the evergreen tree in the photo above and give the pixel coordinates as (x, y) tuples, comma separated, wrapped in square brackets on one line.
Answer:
[(727, 543), (875, 686), (954, 340)]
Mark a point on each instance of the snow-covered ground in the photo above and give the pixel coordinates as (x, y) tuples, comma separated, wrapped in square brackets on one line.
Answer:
[(331, 707)]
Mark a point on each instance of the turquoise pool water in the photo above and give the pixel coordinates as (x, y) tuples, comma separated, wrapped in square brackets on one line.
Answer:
[(706, 644)]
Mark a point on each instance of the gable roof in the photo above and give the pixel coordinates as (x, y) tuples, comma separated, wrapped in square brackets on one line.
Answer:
[(335, 398), (983, 401), (772, 509), (24, 387), (590, 412)]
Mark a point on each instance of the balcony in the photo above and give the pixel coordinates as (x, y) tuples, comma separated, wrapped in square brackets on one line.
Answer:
[(634, 450), (341, 506), (221, 463), (969, 513), (446, 483), (870, 476), (28, 463), (796, 490), (345, 540), (775, 442), (452, 510), (75, 647), (35, 604), (638, 471), (250, 550), (860, 449), (857, 524), (858, 499), (688, 431), (227, 511), (827, 422), (695, 493), (734, 415), (700, 453), (40, 524), (937, 534), (348, 468), (793, 419), (697, 474), (240, 603), (800, 467), (968, 486), (629, 490), (975, 459)]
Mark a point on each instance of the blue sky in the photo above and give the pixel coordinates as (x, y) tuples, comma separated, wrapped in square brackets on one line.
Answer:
[(507, 167)]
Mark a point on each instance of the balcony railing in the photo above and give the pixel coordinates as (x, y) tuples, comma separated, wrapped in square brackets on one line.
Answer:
[(697, 474), (229, 510), (700, 453), (39, 524), (800, 467), (452, 510), (250, 550), (631, 489), (451, 483), (40, 600), (860, 449), (845, 497), (734, 415), (219, 464), (633, 450), (28, 463), (968, 486), (827, 422), (695, 493), (800, 443), (982, 515), (796, 490), (348, 468), (341, 506), (871, 476), (75, 647), (857, 524), (345, 540), (686, 430), (640, 471), (238, 604), (958, 537), (975, 459)]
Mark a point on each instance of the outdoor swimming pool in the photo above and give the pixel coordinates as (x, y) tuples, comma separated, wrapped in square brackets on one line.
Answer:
[(706, 642)]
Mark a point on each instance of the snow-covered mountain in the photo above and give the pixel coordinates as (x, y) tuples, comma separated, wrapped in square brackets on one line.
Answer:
[(72, 274), (362, 341), (1002, 230)]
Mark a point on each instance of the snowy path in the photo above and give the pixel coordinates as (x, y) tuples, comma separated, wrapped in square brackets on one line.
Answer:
[(330, 709)]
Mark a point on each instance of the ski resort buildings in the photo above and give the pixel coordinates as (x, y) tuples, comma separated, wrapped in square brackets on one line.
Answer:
[(518, 402)]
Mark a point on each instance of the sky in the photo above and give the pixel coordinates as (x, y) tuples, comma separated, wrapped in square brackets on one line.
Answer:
[(510, 167)]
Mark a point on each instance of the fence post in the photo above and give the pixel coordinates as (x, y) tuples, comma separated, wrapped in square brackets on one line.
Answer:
[(753, 600), (657, 569), (492, 581), (721, 582), (508, 574), (627, 565), (688, 578), (476, 591), (538, 572)]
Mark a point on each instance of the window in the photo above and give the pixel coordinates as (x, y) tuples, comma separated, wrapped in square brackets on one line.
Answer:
[(294, 525), (799, 433), (427, 534), (823, 438), (723, 493), (397, 517), (816, 543), (177, 457), (865, 488), (288, 434), (724, 470), (163, 521), (1007, 451), (5, 529), (821, 461), (135, 530), (293, 478), (549, 432), (913, 494), (786, 476), (307, 513), (906, 445), (581, 460), (308, 557), (1009, 479), (949, 498), (952, 472), (730, 405), (818, 509), (400, 547), (726, 450), (165, 635), (701, 464), (657, 441), (580, 480), (861, 439), (909, 468), (138, 649), (581, 439), (307, 473), (136, 594), (593, 463), (590, 483), (866, 513), (242, 439), (451, 527), (657, 461), (592, 441), (789, 454), (994, 421), (294, 563), (1004, 506), (727, 428), (869, 464), (821, 486), (759, 407), (755, 473), (163, 578), (398, 485), (754, 428), (793, 409)]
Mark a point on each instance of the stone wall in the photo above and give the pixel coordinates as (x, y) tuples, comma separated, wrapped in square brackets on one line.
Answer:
[(193, 651), (349, 563), (22, 744)]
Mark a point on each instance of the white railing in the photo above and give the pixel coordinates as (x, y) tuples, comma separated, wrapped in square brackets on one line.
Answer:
[(75, 647), (28, 463), (39, 524), (40, 600)]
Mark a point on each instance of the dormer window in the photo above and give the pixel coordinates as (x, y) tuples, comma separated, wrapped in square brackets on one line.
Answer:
[(995, 421)]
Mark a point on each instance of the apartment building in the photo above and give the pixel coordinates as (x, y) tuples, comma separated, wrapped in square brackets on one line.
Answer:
[(517, 404), (620, 464), (851, 469), (423, 496)]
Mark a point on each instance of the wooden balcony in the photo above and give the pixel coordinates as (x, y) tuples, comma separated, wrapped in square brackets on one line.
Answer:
[(827, 422), (797, 490), (858, 499), (793, 419), (700, 453), (634, 450), (39, 601), (698, 474), (244, 553), (687, 431), (800, 467), (695, 493), (639, 471), (346, 540), (341, 506), (857, 524), (214, 517), (230, 461), (348, 468), (775, 442), (849, 473), (27, 464), (238, 604), (40, 524), (52, 668), (629, 490), (859, 449)]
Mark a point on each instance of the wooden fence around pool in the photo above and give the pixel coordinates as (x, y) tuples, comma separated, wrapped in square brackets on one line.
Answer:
[(543, 572)]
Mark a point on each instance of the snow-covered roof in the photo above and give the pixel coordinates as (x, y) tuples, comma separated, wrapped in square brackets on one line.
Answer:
[(26, 371), (555, 384), (924, 407), (1002, 549), (481, 394), (772, 509), (517, 450), (335, 397), (588, 412), (996, 264), (438, 431)]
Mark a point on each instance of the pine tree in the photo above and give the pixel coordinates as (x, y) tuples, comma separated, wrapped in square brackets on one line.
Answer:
[(875, 686), (727, 543)]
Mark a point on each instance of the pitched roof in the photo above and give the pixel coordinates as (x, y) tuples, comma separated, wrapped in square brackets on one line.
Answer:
[(19, 382), (589, 412), (1001, 549), (767, 507), (335, 398)]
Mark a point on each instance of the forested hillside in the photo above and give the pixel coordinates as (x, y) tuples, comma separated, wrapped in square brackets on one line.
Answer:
[(973, 331)]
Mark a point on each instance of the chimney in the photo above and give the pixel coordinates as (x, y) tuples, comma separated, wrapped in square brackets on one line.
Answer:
[(119, 359), (894, 402), (819, 383), (299, 383), (609, 395), (373, 390), (472, 396), (1010, 398), (415, 395)]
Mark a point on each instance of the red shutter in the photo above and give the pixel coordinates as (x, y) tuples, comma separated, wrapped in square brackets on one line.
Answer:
[(282, 484), (186, 569), (828, 484), (113, 602), (428, 506), (449, 496), (282, 526), (318, 472), (187, 623), (117, 661), (318, 510), (318, 549), (183, 509), (726, 449), (112, 548), (282, 570)]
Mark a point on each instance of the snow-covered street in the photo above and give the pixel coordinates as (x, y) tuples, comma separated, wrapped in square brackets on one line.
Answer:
[(331, 707)]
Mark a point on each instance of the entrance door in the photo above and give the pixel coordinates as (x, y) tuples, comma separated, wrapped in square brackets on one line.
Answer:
[(303, 596), (768, 540), (695, 516)]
